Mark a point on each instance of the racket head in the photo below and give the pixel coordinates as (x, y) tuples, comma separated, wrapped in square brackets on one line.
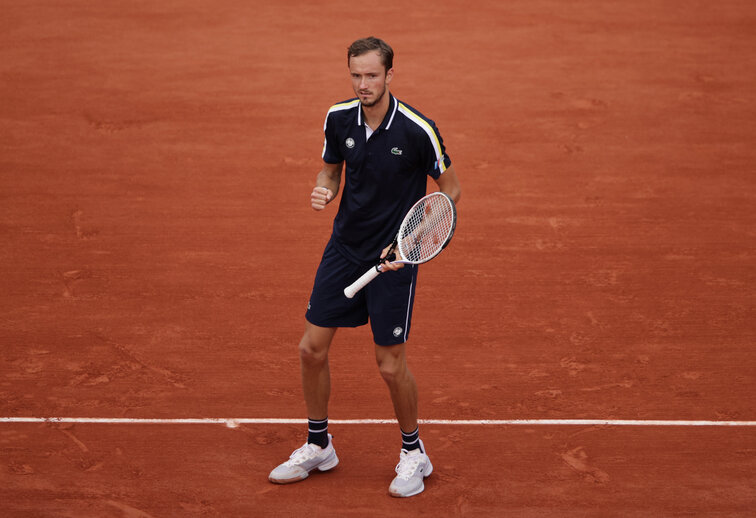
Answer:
[(427, 228)]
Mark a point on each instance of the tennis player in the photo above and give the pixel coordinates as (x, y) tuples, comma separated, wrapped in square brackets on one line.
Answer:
[(390, 149)]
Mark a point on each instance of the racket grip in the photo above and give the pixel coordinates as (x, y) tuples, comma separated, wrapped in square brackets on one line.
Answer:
[(351, 290)]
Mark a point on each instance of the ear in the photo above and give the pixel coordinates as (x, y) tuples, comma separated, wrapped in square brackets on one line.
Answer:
[(389, 75)]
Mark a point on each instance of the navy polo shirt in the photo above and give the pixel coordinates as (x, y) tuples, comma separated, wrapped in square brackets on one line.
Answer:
[(384, 175)]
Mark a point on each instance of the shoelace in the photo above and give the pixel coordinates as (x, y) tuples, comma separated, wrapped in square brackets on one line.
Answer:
[(302, 454), (408, 465)]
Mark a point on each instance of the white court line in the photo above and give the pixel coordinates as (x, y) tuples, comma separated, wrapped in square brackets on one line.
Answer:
[(234, 422)]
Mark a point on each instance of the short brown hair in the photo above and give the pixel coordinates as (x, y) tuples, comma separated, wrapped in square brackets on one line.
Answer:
[(368, 44)]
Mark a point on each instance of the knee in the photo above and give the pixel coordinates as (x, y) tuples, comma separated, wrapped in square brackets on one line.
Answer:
[(392, 368), (388, 373), (311, 352)]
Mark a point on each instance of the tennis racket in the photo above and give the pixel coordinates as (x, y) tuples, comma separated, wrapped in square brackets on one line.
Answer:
[(425, 231)]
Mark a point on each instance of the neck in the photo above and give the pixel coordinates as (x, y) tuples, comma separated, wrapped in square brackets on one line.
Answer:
[(375, 114)]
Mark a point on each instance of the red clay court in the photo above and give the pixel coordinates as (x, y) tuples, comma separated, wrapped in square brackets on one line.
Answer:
[(156, 160)]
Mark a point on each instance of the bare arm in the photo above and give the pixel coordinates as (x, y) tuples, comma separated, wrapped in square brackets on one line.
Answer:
[(327, 185), (449, 183)]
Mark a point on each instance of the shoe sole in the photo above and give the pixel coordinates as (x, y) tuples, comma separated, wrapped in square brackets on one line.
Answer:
[(328, 464)]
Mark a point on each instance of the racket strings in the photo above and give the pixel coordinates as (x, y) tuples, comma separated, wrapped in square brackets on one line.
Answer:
[(427, 229)]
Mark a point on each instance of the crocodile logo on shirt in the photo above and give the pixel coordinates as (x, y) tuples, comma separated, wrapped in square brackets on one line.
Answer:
[(396, 151)]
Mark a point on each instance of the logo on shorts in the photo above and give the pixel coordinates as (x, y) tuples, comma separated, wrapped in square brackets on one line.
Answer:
[(349, 142), (397, 331)]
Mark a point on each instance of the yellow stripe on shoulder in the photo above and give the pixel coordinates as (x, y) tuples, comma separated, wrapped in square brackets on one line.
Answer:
[(344, 106), (339, 107), (414, 117)]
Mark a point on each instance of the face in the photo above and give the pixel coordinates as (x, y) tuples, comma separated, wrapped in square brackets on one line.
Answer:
[(370, 79)]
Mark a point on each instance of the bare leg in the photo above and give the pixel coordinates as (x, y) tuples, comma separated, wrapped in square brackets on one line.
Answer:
[(316, 376), (316, 384), (414, 464), (392, 364)]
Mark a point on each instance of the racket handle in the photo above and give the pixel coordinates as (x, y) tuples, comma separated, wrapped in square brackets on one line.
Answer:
[(351, 290)]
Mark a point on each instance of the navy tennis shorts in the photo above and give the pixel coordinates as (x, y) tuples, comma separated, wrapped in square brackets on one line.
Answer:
[(386, 302)]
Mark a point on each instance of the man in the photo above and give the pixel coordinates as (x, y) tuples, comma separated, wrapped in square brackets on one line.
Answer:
[(389, 149)]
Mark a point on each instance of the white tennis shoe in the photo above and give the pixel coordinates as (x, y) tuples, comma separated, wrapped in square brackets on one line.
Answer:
[(413, 467), (304, 460)]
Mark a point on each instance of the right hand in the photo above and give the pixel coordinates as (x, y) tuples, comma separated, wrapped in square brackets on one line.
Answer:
[(320, 197)]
